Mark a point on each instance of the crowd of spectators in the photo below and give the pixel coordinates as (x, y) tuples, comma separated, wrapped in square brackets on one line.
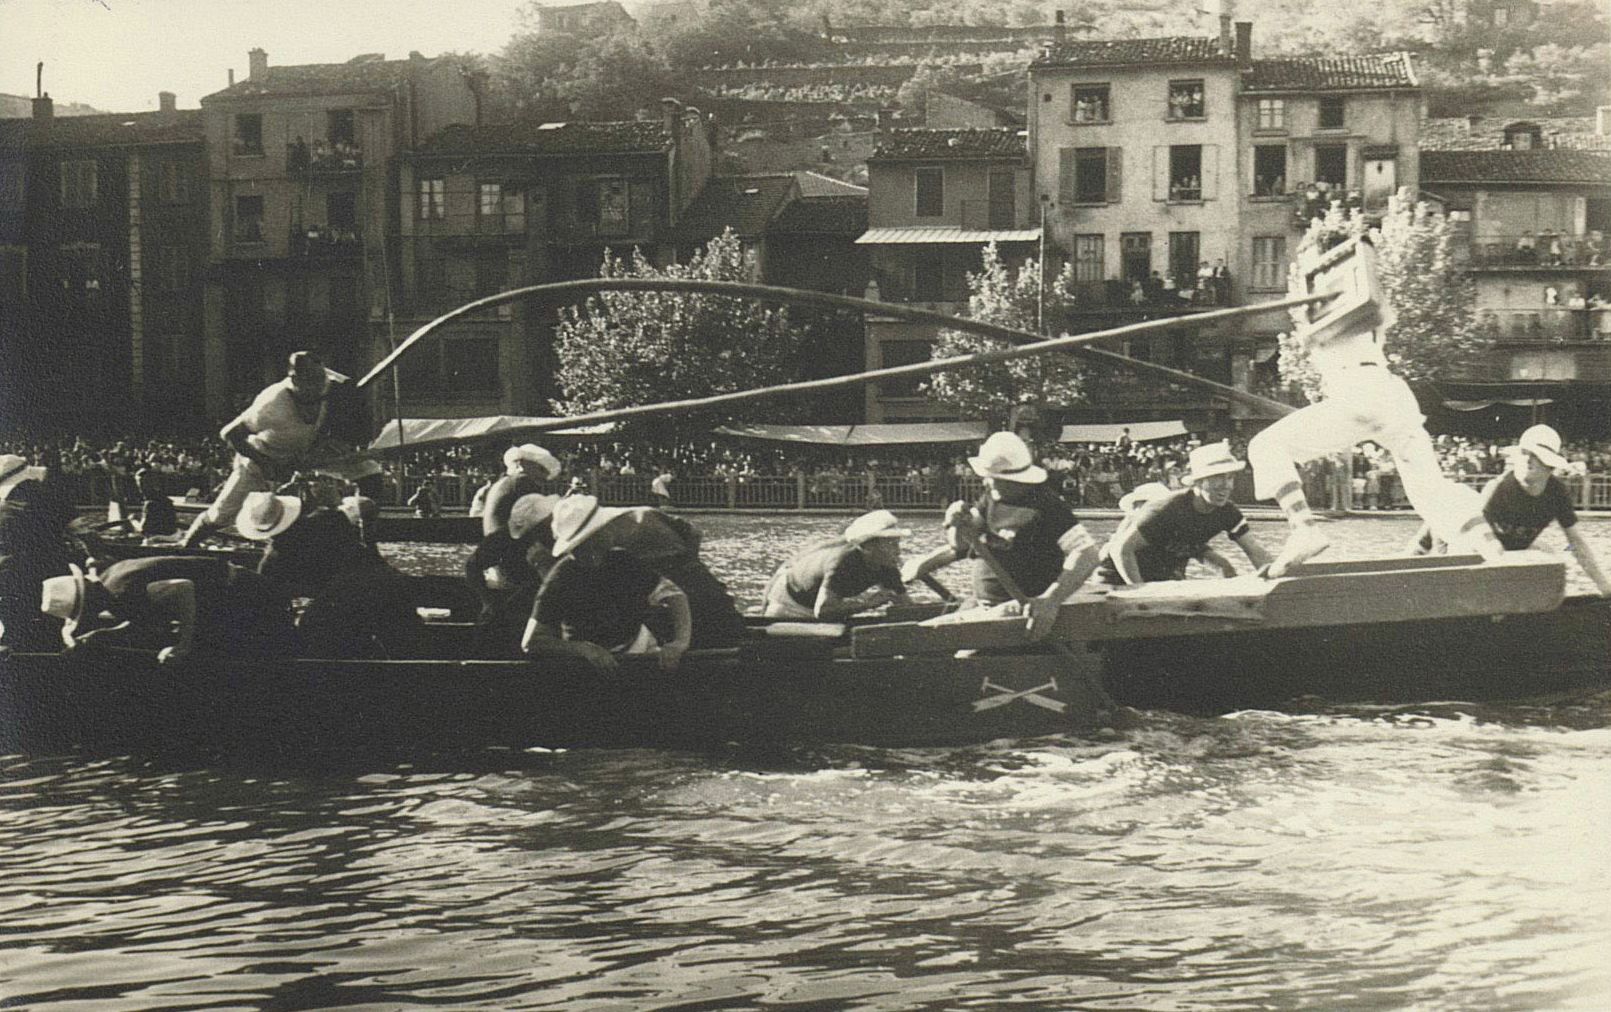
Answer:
[(1091, 475)]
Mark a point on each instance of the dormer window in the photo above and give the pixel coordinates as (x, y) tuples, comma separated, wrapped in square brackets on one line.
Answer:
[(1523, 136)]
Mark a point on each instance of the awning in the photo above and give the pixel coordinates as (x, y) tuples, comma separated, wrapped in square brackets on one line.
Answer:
[(945, 233), (1532, 402), (420, 432), (884, 434), (1140, 432), (909, 433)]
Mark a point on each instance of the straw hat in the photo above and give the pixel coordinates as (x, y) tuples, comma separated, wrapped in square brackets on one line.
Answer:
[(1007, 457), (529, 511), (1544, 443), (513, 457), (1209, 460), (877, 524), (360, 509), (1143, 494), (14, 470), (63, 597), (264, 514), (577, 518)]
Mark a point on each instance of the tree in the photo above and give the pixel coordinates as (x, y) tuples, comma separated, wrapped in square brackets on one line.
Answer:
[(1563, 79), (1436, 335), (1000, 295), (627, 348)]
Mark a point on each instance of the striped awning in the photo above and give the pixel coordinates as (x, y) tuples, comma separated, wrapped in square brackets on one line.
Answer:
[(920, 235)]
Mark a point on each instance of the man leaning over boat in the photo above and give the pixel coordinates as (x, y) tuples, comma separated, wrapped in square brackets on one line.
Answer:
[(1527, 498), (834, 579), (1029, 552), (1175, 528)]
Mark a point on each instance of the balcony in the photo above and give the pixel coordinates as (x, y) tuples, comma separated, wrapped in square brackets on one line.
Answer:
[(325, 241), (322, 159), (1545, 251), (1547, 325)]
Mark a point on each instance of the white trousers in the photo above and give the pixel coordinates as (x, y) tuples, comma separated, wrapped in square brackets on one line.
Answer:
[(1368, 403)]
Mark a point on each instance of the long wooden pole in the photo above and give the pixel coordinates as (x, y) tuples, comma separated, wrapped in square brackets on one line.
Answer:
[(1077, 343)]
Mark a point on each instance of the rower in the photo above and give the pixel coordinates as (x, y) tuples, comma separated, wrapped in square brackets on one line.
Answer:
[(526, 467), (1527, 498), (158, 519), (276, 434), (33, 547), (360, 607), (505, 570), (1166, 533), (211, 603), (665, 544), (1364, 400), (1026, 530), (601, 604), (834, 579)]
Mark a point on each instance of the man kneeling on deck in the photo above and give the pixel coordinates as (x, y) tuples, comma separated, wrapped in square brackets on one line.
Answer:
[(1527, 498), (212, 604), (600, 603), (835, 579), (667, 546), (1019, 532), (1157, 541)]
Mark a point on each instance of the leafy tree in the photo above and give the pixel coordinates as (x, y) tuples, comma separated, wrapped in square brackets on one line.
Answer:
[(1562, 79), (620, 349), (1010, 298), (1436, 335)]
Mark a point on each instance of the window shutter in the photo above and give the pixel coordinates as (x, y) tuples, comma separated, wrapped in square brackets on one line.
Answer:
[(1115, 192), (1065, 177), (1210, 171), (1160, 172)]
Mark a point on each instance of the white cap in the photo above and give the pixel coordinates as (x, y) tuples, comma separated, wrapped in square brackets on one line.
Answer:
[(877, 524)]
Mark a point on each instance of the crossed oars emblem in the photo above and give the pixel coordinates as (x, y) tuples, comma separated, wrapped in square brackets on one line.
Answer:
[(1006, 694)]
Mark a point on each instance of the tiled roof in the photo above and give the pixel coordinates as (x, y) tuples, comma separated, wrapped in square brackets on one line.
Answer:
[(815, 184), (1119, 52), (902, 145), (1458, 133), (358, 75), (845, 216), (1564, 167), (1341, 73), (106, 130), (550, 139), (743, 203)]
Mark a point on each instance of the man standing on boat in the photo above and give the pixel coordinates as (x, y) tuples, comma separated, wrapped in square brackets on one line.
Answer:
[(1174, 528), (835, 579), (1363, 400), (1527, 498), (1022, 536), (279, 433), (667, 546)]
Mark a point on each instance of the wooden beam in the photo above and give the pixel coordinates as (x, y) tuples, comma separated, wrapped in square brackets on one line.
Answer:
[(1395, 591)]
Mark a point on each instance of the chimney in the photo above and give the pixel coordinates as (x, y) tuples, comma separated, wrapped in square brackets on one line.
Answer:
[(44, 108), (258, 65), (1602, 120), (1244, 45), (1059, 27), (167, 101), (232, 77)]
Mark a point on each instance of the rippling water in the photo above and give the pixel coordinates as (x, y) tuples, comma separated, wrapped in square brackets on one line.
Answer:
[(1433, 857)]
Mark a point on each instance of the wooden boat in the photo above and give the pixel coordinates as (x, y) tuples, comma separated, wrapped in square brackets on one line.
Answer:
[(1381, 630)]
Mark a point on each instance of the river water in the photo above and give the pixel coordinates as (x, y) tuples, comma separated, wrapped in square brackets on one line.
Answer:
[(1436, 857)]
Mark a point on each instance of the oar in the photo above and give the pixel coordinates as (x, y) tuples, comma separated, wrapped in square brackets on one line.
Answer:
[(1093, 685), (928, 580)]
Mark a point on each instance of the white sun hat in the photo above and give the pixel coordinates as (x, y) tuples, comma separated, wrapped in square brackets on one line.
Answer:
[(264, 514), (877, 524), (1007, 457), (14, 470), (63, 597), (577, 518), (1544, 443), (1143, 494), (1211, 459), (513, 456)]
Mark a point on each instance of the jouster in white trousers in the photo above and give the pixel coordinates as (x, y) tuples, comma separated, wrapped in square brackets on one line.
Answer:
[(1365, 401)]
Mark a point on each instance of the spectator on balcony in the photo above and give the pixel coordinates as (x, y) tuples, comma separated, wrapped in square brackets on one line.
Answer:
[(1205, 284), (1526, 248), (661, 487)]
